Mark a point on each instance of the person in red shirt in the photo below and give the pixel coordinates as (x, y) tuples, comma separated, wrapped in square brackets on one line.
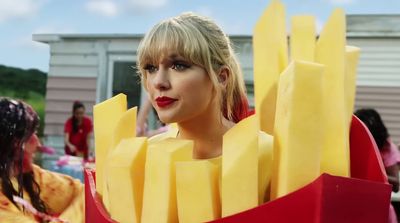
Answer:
[(77, 132)]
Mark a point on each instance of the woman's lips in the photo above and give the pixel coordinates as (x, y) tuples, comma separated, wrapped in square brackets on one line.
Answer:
[(164, 101)]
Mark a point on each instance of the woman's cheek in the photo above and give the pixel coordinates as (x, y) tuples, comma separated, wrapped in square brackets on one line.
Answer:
[(32, 140), (30, 148), (148, 85), (27, 162)]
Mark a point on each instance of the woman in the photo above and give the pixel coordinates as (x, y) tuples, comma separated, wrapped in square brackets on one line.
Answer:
[(49, 193), (388, 150), (77, 131), (193, 78)]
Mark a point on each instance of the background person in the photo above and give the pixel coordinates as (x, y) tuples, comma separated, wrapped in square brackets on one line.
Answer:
[(387, 149), (77, 131)]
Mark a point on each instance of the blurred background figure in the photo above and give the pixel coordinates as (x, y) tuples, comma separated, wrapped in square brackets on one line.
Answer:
[(387, 149), (142, 128), (77, 130), (26, 187)]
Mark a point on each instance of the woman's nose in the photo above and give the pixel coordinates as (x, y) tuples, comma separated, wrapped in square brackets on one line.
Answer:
[(37, 141), (161, 80)]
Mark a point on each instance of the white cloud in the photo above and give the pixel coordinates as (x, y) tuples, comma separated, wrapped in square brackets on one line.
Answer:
[(226, 26), (27, 42), (13, 9), (53, 29), (146, 5), (107, 8), (112, 8), (204, 11), (341, 2), (237, 28)]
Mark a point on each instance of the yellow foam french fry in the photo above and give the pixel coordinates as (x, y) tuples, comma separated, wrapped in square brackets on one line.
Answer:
[(159, 196), (352, 57), (126, 179), (197, 188), (302, 38), (106, 116), (239, 186), (270, 59), (330, 51), (265, 149), (125, 128), (298, 133)]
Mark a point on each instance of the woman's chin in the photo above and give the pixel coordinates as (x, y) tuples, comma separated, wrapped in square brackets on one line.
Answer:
[(167, 119)]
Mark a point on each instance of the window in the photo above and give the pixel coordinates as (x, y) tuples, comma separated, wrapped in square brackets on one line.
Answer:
[(127, 81)]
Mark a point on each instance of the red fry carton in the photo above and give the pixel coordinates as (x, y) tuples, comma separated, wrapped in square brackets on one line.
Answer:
[(365, 197)]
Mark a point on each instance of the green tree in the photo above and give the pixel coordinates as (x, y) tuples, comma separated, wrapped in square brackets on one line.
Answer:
[(28, 85)]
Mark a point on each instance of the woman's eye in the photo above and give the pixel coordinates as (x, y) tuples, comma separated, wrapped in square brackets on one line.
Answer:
[(180, 66), (150, 68)]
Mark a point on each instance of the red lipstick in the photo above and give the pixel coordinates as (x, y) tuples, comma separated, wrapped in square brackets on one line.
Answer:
[(164, 101)]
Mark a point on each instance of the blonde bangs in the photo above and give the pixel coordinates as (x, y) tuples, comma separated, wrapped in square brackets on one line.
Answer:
[(171, 37)]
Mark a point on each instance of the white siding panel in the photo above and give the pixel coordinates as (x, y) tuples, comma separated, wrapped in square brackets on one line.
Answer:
[(380, 70), (379, 104), (57, 118), (54, 130), (66, 106), (60, 117), (74, 59), (120, 45), (382, 48), (370, 96), (392, 62), (72, 95), (71, 83), (73, 47), (381, 57), (372, 42), (379, 61), (73, 71)]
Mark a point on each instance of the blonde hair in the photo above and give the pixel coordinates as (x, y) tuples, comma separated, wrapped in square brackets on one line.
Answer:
[(201, 41)]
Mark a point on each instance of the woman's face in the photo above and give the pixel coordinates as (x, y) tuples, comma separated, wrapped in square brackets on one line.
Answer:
[(178, 89), (79, 113), (31, 145)]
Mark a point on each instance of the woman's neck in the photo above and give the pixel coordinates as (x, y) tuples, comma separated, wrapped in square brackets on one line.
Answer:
[(206, 131)]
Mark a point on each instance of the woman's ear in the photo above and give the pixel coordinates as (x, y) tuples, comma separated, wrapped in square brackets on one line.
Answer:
[(223, 75)]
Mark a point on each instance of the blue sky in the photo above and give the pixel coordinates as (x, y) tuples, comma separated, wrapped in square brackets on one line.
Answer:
[(19, 19)]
